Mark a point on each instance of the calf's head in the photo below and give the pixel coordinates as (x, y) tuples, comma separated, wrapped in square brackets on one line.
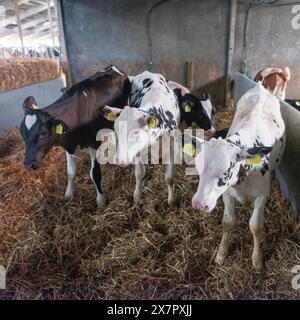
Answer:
[(135, 130), (218, 168), (38, 129), (199, 111)]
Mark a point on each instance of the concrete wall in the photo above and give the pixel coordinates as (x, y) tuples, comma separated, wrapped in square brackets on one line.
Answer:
[(101, 32), (288, 173), (11, 102), (271, 40)]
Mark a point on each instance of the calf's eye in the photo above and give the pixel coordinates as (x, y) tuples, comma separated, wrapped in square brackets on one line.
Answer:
[(43, 134)]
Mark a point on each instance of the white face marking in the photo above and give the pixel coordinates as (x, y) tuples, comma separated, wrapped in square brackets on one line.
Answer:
[(133, 134), (266, 72), (207, 107), (218, 171), (84, 93), (30, 121)]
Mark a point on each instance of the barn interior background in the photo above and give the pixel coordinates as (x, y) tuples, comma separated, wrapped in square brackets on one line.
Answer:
[(218, 37), (57, 248)]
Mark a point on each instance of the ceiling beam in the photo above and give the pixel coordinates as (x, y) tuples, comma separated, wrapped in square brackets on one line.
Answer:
[(8, 5), (27, 33), (46, 36), (32, 23), (28, 13)]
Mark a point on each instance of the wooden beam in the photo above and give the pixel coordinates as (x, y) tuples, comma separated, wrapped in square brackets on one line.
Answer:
[(190, 75), (229, 76)]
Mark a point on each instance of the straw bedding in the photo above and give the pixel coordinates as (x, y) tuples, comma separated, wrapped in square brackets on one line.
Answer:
[(20, 72), (55, 248)]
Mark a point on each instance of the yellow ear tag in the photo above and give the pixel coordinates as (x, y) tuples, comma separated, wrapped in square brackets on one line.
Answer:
[(34, 106), (298, 103), (187, 108), (111, 116), (254, 160), (152, 122), (189, 149), (59, 129)]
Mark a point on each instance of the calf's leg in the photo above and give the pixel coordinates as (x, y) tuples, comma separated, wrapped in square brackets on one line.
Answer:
[(256, 227), (169, 177), (71, 172), (228, 222), (95, 174), (139, 176)]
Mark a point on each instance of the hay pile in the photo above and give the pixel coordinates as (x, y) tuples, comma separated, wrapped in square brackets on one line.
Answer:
[(20, 72), (61, 249)]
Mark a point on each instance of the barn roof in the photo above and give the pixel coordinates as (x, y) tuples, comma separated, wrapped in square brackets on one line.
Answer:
[(34, 18)]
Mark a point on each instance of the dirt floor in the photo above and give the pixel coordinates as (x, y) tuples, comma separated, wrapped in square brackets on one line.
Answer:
[(55, 248)]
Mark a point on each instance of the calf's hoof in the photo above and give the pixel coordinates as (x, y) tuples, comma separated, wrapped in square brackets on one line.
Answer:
[(221, 256), (257, 260), (137, 196), (68, 194), (171, 202), (100, 201)]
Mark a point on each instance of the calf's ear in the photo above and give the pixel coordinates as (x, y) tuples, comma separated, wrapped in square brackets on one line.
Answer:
[(259, 150), (204, 95), (29, 104), (177, 92), (59, 126), (253, 155), (110, 113)]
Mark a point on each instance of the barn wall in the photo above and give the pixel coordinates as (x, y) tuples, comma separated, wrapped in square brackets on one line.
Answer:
[(11, 102), (271, 40), (101, 32)]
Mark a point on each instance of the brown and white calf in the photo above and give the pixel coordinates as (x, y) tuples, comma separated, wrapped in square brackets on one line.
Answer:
[(275, 80), (74, 121)]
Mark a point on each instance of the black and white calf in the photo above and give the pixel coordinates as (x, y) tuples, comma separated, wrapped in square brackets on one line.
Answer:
[(154, 112), (239, 167), (74, 121), (193, 109)]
